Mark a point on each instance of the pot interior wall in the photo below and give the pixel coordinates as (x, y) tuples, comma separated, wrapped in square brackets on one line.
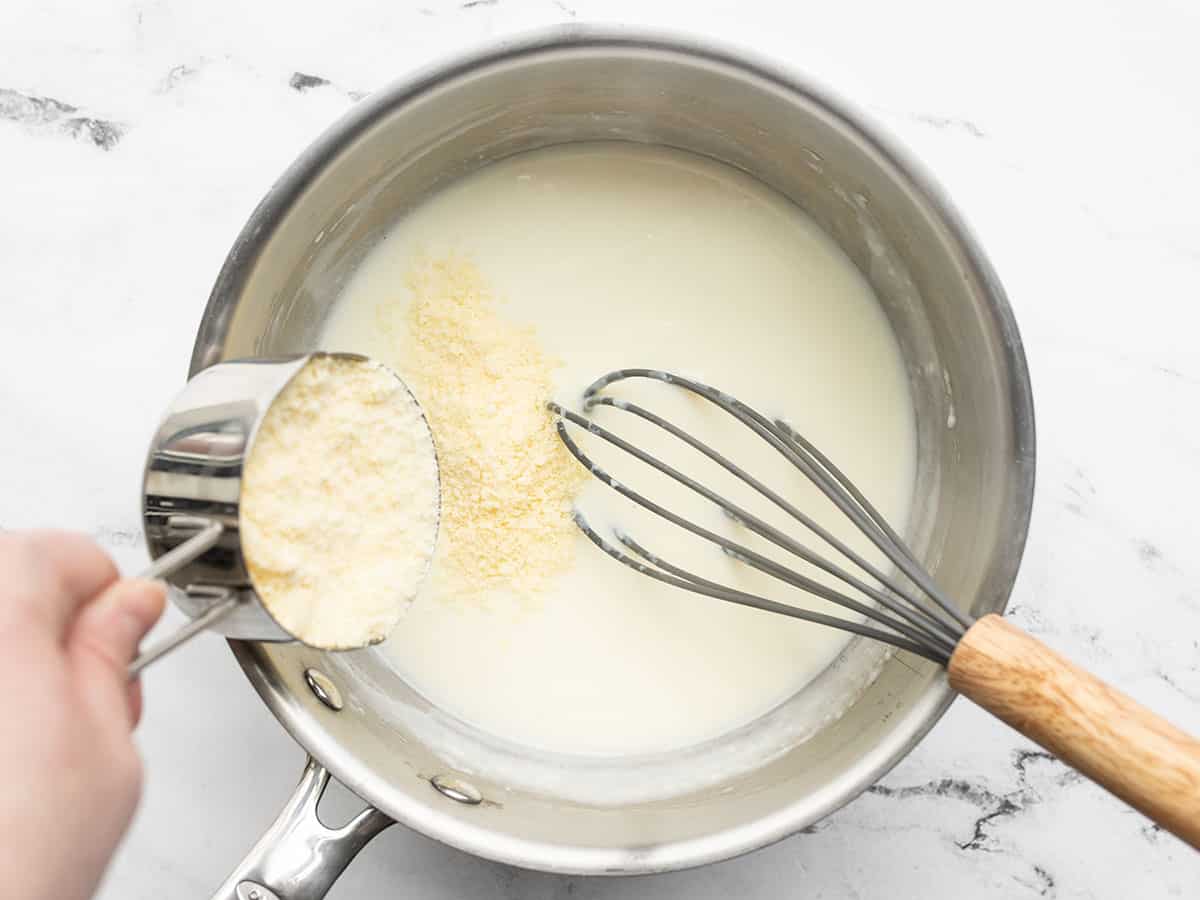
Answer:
[(972, 480)]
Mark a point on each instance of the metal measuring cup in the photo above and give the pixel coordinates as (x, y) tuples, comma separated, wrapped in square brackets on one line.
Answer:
[(190, 499)]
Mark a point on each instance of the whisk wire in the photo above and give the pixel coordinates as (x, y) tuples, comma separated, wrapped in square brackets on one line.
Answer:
[(917, 632), (677, 577), (806, 447), (917, 627), (903, 557), (821, 472), (911, 621), (918, 616)]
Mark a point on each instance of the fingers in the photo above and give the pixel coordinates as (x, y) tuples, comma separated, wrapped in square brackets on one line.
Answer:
[(114, 624), (83, 568), (135, 702), (105, 638), (49, 575)]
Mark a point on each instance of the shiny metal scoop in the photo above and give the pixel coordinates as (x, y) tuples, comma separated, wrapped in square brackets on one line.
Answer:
[(191, 492)]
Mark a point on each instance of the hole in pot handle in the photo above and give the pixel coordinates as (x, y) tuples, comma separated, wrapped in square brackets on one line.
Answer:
[(298, 857)]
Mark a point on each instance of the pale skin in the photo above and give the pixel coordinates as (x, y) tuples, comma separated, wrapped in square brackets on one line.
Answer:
[(69, 626)]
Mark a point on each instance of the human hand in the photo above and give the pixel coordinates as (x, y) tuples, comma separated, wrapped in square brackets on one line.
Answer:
[(68, 630)]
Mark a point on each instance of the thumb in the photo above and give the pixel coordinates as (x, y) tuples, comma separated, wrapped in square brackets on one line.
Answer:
[(105, 640)]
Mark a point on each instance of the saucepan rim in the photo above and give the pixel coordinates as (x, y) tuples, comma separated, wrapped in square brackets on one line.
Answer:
[(936, 698)]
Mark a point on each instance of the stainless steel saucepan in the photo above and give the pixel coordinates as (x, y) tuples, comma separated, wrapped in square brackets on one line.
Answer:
[(415, 765)]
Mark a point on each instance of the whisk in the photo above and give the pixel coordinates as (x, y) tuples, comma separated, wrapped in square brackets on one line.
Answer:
[(1138, 756)]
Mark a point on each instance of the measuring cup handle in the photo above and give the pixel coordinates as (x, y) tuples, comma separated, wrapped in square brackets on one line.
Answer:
[(298, 857), (202, 541), (219, 610)]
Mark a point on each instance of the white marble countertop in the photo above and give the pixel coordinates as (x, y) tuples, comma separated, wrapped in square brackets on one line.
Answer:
[(136, 136)]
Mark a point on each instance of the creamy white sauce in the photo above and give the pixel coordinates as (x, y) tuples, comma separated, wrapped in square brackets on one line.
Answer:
[(624, 256)]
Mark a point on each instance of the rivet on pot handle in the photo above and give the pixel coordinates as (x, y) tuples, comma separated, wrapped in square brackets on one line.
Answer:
[(298, 857)]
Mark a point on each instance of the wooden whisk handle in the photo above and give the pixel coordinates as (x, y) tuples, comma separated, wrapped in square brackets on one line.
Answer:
[(1122, 746)]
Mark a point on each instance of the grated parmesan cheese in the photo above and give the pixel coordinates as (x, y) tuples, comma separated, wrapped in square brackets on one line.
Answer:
[(339, 506), (507, 481)]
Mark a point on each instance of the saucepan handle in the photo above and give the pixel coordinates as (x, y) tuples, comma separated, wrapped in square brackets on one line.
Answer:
[(298, 857)]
